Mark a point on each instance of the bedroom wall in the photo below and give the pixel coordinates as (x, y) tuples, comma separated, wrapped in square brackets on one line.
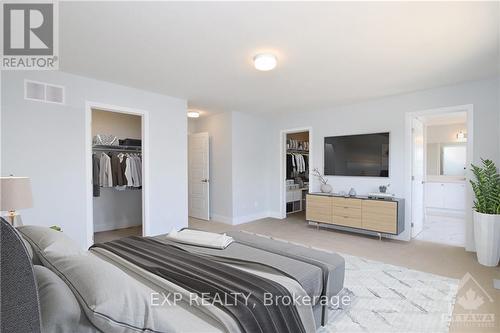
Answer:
[(251, 137), (47, 143), (117, 209), (238, 169), (388, 114)]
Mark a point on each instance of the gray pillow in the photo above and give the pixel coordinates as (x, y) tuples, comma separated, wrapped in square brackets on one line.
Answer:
[(33, 256), (60, 310), (47, 240), (112, 300)]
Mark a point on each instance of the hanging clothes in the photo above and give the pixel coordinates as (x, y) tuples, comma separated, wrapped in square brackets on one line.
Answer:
[(138, 168), (105, 171), (96, 189), (133, 170), (289, 166), (118, 176)]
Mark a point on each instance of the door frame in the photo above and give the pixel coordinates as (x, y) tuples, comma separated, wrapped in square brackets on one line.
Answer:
[(283, 134), (424, 171), (208, 174), (88, 163), (469, 110)]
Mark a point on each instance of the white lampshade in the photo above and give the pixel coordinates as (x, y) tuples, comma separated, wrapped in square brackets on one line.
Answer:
[(15, 193)]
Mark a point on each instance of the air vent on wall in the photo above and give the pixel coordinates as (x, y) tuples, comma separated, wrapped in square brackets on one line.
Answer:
[(43, 92)]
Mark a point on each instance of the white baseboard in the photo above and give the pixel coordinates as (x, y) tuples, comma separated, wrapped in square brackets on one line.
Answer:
[(249, 218), (108, 227), (244, 219), (275, 215), (221, 219)]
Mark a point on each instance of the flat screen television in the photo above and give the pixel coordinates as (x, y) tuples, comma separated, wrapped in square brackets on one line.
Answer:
[(357, 155)]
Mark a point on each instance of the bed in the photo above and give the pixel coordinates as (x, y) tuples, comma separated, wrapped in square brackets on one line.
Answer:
[(151, 284)]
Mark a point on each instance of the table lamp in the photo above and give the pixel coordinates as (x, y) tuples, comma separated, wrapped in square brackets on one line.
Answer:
[(15, 194)]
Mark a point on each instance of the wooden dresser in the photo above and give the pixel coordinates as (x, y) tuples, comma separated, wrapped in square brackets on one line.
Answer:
[(359, 213)]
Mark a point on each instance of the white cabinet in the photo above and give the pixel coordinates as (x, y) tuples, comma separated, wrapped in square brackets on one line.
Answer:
[(454, 196), (445, 195), (434, 195)]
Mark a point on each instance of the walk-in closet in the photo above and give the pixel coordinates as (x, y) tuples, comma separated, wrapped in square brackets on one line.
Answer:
[(297, 171), (117, 174)]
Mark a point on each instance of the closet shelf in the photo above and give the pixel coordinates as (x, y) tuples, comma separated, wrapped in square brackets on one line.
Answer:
[(133, 149)]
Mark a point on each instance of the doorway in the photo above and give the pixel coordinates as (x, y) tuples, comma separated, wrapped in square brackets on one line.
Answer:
[(198, 175), (296, 156), (117, 164), (441, 151)]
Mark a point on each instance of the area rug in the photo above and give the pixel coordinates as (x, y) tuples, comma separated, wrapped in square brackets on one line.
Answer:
[(387, 298)]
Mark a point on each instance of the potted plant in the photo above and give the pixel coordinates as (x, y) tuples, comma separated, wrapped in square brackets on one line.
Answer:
[(486, 189)]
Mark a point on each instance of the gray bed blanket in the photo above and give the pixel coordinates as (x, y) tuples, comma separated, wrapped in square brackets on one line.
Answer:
[(309, 276), (213, 280)]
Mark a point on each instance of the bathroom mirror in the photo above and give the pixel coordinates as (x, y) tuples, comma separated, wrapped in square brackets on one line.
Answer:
[(446, 159)]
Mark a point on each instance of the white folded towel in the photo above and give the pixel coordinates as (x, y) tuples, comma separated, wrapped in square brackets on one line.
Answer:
[(200, 238)]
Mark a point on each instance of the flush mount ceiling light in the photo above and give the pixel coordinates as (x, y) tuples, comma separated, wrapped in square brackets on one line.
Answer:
[(265, 61), (193, 114)]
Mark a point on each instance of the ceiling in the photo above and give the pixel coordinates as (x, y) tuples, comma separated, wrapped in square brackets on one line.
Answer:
[(329, 53)]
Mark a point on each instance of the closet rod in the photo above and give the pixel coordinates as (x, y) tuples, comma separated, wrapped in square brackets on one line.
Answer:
[(296, 152), (127, 149)]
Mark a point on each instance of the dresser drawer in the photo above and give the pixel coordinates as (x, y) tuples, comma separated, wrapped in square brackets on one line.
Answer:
[(388, 208), (347, 211), (380, 223), (380, 216), (347, 202), (319, 208), (347, 221)]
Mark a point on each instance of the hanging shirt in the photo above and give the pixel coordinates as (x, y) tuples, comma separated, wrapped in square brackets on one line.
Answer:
[(118, 177), (105, 172), (95, 176), (128, 171), (136, 171)]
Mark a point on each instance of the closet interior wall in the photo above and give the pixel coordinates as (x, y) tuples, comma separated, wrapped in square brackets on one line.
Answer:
[(115, 209)]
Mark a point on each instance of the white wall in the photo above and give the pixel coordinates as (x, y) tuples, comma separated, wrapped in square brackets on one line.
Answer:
[(238, 165), (192, 125), (47, 143), (117, 209), (387, 114), (219, 128), (251, 138)]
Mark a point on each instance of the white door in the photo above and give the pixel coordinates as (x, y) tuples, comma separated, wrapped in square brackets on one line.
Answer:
[(417, 188), (198, 164)]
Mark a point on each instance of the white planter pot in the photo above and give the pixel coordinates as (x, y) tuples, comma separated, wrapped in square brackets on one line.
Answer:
[(487, 237), (326, 188)]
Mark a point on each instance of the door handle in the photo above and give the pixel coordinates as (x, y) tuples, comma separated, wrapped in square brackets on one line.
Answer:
[(204, 180)]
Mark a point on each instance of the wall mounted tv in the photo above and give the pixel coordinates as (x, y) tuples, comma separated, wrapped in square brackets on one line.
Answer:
[(357, 155)]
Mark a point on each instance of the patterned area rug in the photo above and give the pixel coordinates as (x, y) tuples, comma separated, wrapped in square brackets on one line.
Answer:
[(387, 298)]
